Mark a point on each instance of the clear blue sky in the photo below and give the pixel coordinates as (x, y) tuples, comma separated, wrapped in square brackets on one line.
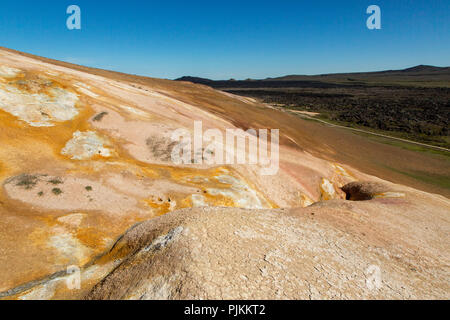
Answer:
[(231, 39)]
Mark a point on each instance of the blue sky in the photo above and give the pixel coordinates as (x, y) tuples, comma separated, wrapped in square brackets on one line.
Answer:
[(231, 39)]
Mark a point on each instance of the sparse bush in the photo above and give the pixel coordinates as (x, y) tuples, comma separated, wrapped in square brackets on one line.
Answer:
[(100, 116), (55, 181), (56, 191), (27, 181)]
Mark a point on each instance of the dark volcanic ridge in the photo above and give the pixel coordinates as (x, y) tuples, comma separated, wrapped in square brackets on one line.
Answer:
[(417, 73)]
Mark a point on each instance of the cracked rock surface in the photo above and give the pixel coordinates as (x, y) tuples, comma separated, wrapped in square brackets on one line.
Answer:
[(321, 252)]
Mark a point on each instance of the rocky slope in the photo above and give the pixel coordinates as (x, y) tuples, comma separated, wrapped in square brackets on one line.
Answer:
[(88, 182)]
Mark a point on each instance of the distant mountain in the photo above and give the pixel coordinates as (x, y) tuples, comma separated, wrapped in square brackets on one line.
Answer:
[(195, 80), (420, 73), (424, 68), (417, 71)]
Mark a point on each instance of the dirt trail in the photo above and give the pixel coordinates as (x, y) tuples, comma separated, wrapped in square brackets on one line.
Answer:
[(369, 132)]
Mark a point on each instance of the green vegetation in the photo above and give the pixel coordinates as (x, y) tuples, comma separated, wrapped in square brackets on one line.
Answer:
[(100, 116), (409, 146), (402, 144), (442, 181), (57, 191), (27, 181), (417, 114), (55, 181), (88, 188)]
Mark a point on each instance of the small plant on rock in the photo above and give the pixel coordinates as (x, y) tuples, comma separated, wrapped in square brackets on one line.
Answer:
[(56, 191)]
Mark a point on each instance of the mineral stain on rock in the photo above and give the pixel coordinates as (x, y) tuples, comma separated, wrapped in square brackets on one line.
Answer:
[(86, 145), (38, 102)]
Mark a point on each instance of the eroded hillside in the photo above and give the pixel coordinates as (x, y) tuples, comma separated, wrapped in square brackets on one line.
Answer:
[(85, 157)]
